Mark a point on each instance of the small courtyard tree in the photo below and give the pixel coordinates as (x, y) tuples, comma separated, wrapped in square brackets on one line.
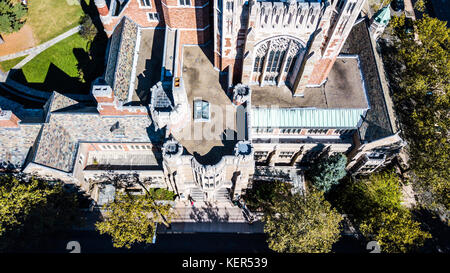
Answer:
[(87, 28), (327, 171), (12, 16), (132, 219), (302, 223)]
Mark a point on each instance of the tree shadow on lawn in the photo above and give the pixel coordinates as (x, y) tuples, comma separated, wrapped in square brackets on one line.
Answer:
[(55, 80), (91, 63)]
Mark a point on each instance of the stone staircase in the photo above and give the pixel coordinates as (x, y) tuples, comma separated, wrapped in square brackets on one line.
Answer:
[(222, 195), (197, 194)]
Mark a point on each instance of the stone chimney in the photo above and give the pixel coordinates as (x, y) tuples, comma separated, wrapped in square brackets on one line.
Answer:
[(103, 10), (109, 105), (8, 119)]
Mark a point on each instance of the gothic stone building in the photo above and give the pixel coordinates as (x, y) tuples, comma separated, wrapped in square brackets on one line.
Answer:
[(197, 94)]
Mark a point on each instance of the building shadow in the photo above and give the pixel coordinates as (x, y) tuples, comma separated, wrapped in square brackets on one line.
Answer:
[(229, 140), (55, 80), (90, 64), (152, 72), (209, 213), (205, 17)]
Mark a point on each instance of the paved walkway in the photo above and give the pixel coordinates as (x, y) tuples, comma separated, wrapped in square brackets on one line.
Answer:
[(208, 212), (201, 218), (212, 227), (32, 52)]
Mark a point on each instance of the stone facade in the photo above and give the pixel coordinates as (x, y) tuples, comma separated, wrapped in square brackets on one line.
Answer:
[(304, 37)]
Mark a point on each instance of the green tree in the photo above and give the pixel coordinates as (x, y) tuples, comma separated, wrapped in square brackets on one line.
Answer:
[(394, 230), (87, 29), (375, 203), (132, 219), (31, 210), (419, 73), (12, 16), (327, 171), (302, 223), (261, 195), (379, 190)]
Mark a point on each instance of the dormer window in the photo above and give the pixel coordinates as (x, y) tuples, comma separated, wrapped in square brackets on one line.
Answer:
[(145, 3), (153, 16), (184, 2)]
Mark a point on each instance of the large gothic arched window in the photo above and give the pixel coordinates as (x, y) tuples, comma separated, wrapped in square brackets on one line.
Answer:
[(281, 54)]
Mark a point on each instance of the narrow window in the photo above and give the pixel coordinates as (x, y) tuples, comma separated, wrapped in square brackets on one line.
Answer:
[(280, 62), (261, 63), (256, 66), (146, 3), (291, 66), (275, 61), (269, 63), (153, 16), (288, 63)]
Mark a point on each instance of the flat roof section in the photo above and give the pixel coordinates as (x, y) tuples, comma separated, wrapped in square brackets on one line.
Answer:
[(344, 89), (202, 82), (380, 117), (148, 66)]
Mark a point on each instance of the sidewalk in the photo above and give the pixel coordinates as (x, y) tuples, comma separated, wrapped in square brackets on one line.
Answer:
[(206, 217), (208, 212), (202, 218), (32, 52), (212, 227)]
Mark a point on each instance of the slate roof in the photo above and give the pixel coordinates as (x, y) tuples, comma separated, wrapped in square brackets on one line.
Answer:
[(60, 137), (120, 58), (15, 143), (59, 102), (377, 123)]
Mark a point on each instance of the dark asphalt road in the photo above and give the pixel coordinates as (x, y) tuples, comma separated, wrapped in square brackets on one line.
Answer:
[(93, 242)]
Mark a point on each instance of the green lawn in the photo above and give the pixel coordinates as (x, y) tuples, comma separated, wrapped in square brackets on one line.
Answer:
[(61, 55), (50, 18), (7, 65)]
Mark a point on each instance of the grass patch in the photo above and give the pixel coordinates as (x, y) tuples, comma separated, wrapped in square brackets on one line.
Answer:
[(7, 65), (61, 55), (50, 18)]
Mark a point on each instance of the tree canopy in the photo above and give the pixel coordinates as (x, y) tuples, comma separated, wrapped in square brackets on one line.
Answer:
[(375, 204), (12, 16), (419, 70), (32, 209), (301, 223), (394, 230), (132, 219), (327, 171), (87, 29)]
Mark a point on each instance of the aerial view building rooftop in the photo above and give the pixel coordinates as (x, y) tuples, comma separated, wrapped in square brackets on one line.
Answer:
[(259, 83)]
